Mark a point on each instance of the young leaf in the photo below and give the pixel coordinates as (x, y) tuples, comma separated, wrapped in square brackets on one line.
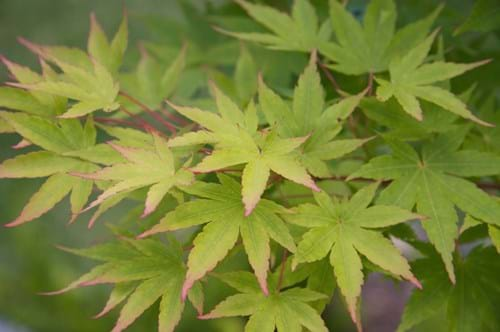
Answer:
[(89, 84), (298, 32), (99, 47), (236, 144), (308, 116), (152, 82), (143, 272), (412, 79), (220, 206), (143, 168), (284, 311)]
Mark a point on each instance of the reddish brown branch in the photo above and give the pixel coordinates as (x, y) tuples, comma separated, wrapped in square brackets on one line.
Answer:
[(118, 121), (170, 127), (331, 78)]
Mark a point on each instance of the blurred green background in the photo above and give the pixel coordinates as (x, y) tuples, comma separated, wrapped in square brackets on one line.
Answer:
[(29, 261)]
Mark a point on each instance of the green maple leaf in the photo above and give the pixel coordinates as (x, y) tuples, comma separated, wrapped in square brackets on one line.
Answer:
[(151, 82), (84, 80), (110, 54), (344, 230), (412, 79), (283, 311), (432, 181), (221, 209), (32, 102), (368, 47), (310, 116), (487, 136), (142, 272), (58, 138), (469, 305), (298, 32), (493, 230), (142, 168), (237, 141)]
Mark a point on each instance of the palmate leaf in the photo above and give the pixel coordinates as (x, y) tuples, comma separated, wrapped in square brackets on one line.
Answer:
[(151, 82), (368, 47), (289, 310), (32, 102), (237, 141), (110, 54), (344, 231), (412, 79), (143, 272), (220, 207), (299, 31), (84, 80), (143, 168), (58, 138), (432, 182), (309, 116), (470, 305)]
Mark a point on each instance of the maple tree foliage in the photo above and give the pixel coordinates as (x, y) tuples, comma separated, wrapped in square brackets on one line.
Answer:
[(307, 181)]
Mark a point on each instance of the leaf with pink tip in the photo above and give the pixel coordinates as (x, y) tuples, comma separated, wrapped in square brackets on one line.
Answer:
[(253, 183), (210, 247), (143, 272), (50, 193), (220, 207), (118, 295), (256, 242), (154, 168)]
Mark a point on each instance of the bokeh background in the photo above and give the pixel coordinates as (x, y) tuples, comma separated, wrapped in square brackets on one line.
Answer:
[(29, 260)]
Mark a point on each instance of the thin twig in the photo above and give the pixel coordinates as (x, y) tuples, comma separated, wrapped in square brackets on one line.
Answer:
[(141, 122), (332, 80), (117, 121), (173, 117), (170, 127)]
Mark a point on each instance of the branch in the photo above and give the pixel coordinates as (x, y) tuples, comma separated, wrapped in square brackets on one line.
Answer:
[(170, 127), (332, 80)]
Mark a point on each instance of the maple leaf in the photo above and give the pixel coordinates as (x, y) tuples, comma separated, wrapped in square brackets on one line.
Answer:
[(432, 181), (469, 305), (412, 79), (237, 141), (32, 102), (151, 83), (493, 230), (283, 311), (110, 54), (57, 138), (221, 209), (368, 47), (84, 80), (142, 272), (344, 230), (142, 168), (309, 116), (298, 32)]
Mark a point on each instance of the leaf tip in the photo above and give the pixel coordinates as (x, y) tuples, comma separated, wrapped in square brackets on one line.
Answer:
[(188, 283), (415, 282)]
